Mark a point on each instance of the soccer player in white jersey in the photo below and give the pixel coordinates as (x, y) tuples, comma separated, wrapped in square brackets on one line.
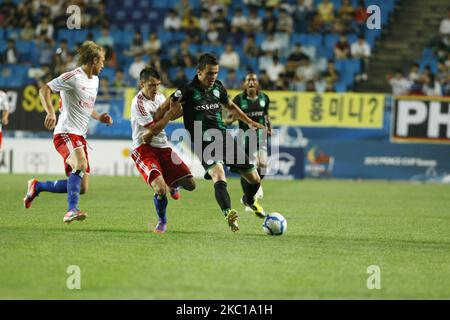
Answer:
[(4, 113), (78, 91), (156, 161)]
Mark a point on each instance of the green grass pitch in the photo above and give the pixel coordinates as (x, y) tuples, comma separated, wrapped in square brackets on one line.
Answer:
[(336, 230)]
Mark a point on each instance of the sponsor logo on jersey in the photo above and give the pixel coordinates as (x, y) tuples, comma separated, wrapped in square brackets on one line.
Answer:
[(211, 106)]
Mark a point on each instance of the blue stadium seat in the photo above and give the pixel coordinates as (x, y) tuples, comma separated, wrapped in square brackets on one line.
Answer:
[(340, 87), (109, 73), (190, 72), (164, 36)]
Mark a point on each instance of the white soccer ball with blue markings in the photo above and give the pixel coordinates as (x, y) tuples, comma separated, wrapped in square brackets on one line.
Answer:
[(275, 224)]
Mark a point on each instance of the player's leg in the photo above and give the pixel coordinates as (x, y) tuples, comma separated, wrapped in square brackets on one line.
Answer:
[(217, 174), (2, 154), (79, 164), (261, 163), (176, 173), (251, 182), (160, 200)]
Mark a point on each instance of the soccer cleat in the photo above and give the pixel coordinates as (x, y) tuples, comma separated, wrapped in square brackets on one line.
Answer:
[(257, 209), (161, 227), (31, 193), (74, 215), (175, 193), (232, 217)]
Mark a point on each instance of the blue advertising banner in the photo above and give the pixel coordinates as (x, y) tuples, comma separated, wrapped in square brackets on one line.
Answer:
[(377, 160)]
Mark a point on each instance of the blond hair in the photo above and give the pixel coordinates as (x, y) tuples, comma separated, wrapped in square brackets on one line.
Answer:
[(88, 51)]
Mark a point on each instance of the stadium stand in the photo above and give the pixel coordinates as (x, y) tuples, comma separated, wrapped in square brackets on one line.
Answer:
[(317, 37)]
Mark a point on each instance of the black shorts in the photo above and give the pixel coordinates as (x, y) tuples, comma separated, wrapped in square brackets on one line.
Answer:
[(228, 152)]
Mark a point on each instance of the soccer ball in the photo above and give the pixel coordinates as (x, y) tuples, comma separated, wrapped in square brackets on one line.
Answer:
[(274, 224)]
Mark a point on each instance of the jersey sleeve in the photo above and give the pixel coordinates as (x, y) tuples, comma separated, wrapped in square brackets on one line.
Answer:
[(140, 114), (224, 98), (64, 82)]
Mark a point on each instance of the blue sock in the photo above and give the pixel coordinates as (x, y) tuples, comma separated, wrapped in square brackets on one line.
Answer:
[(73, 189), (57, 186), (161, 205)]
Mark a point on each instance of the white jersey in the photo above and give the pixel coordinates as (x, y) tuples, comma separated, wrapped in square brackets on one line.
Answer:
[(142, 113), (78, 94), (4, 106)]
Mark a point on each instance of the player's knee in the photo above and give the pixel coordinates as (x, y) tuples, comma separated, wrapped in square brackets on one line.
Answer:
[(262, 165), (254, 178), (160, 189), (81, 166)]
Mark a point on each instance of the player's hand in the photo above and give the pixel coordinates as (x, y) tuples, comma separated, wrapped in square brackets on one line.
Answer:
[(269, 131), (174, 108), (5, 121), (256, 125), (50, 121), (147, 138), (105, 118)]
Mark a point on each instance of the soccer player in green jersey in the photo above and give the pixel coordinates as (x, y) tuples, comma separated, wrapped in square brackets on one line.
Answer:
[(202, 100), (255, 104)]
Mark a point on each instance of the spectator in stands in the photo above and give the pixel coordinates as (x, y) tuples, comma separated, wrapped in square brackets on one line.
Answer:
[(9, 14), (251, 50), (270, 22), (264, 80), (400, 85), (191, 27), (61, 56), (105, 40), (431, 86), (296, 56), (254, 21), (70, 63), (180, 78), (103, 90), (330, 75), (414, 73), (221, 22), (172, 22), (303, 13), (229, 59), (212, 36), (45, 28), (204, 20), (324, 18), (254, 4), (274, 69), (442, 73), (152, 45), (346, 15), (183, 8), (99, 17), (136, 47), (183, 57), (304, 73), (284, 28), (136, 68), (270, 45), (342, 48), (11, 55), (231, 81), (25, 14), (360, 16), (119, 83), (361, 50), (46, 52), (27, 32), (444, 27), (239, 23)]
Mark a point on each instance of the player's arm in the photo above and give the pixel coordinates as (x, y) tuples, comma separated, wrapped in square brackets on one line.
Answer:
[(5, 115), (160, 124), (45, 93), (103, 118), (267, 118), (231, 106)]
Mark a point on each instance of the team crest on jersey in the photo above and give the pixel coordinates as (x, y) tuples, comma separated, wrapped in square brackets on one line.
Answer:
[(79, 143), (216, 93), (154, 166), (197, 96), (262, 103)]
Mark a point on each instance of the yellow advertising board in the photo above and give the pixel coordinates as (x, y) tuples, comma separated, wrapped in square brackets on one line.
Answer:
[(341, 110)]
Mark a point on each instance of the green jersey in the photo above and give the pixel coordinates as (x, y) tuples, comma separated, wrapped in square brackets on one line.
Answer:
[(203, 104), (256, 109)]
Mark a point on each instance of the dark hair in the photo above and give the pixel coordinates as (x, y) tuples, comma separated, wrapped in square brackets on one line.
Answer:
[(205, 59), (148, 73)]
